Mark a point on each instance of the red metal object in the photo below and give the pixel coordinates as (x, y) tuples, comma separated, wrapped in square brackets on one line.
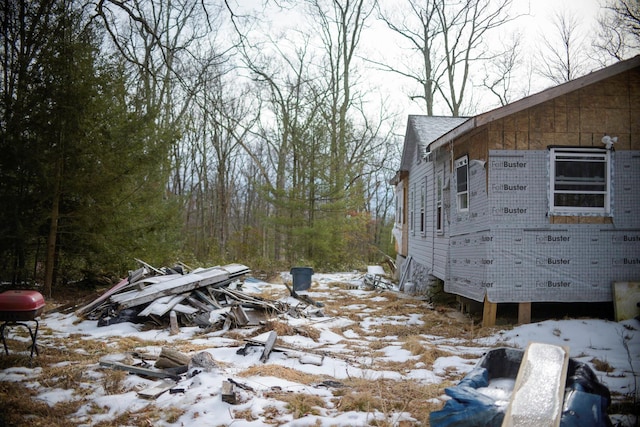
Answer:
[(17, 307), (20, 305)]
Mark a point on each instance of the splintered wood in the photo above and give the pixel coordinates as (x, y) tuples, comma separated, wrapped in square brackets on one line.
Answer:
[(538, 395)]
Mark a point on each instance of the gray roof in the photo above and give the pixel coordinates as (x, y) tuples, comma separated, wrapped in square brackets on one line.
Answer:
[(422, 131)]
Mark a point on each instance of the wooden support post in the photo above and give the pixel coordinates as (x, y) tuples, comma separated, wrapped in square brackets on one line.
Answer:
[(524, 312), (489, 311)]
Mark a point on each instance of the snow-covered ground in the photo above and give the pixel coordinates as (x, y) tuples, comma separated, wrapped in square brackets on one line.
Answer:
[(344, 349)]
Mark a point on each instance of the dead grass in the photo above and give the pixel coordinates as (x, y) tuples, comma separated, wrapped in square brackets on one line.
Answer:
[(244, 414), (281, 372), (389, 397), (65, 363), (280, 328), (113, 381), (18, 407), (300, 404), (601, 365)]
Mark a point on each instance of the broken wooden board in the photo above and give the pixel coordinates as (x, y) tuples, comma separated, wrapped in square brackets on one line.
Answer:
[(239, 316), (229, 394), (538, 395), (268, 346), (156, 390), (170, 358), (139, 370), (162, 305), (95, 303)]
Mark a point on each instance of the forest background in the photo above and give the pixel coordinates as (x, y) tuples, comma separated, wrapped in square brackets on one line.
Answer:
[(260, 132)]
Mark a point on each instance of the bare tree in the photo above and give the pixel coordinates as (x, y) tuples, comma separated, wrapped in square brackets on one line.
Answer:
[(447, 38), (618, 32), (500, 73), (564, 57), (629, 13)]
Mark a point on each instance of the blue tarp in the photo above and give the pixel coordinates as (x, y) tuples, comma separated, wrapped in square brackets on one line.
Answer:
[(585, 402)]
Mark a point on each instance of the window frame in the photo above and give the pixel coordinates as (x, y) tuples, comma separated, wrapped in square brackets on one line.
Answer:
[(585, 155), (462, 162), (412, 204), (423, 204), (439, 217)]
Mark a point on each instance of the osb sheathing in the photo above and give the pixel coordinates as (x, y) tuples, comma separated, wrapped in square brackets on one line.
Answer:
[(473, 144), (579, 118)]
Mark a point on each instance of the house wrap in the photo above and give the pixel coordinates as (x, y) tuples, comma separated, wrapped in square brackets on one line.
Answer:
[(536, 201)]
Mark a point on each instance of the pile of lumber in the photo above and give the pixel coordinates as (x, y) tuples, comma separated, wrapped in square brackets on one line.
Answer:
[(168, 296)]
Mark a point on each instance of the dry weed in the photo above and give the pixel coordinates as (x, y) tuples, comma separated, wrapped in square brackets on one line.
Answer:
[(18, 407), (280, 372), (244, 414), (601, 365), (113, 381), (281, 328), (301, 404), (389, 397)]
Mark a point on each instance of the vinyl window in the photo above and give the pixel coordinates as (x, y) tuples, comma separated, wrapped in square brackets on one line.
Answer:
[(462, 183), (579, 181), (439, 210)]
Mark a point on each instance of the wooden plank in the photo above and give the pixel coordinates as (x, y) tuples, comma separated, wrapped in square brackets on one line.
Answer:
[(489, 311), (205, 298), (138, 370), (162, 305), (538, 394), (156, 390), (95, 303), (199, 304), (176, 286), (626, 296), (524, 312), (185, 309), (239, 316), (268, 346)]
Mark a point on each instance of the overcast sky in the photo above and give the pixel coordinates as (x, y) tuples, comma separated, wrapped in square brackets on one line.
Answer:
[(380, 44)]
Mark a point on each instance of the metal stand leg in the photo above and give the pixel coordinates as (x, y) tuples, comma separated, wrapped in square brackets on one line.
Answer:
[(32, 334), (4, 342)]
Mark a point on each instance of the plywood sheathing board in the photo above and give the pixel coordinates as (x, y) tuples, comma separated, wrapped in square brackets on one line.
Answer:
[(538, 394)]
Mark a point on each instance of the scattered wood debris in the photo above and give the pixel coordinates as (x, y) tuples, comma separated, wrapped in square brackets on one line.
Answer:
[(181, 296)]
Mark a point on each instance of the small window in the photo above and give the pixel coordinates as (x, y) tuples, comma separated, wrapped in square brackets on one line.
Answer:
[(439, 211), (579, 181), (462, 183)]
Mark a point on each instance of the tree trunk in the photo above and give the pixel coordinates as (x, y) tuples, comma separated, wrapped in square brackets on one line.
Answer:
[(53, 233)]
